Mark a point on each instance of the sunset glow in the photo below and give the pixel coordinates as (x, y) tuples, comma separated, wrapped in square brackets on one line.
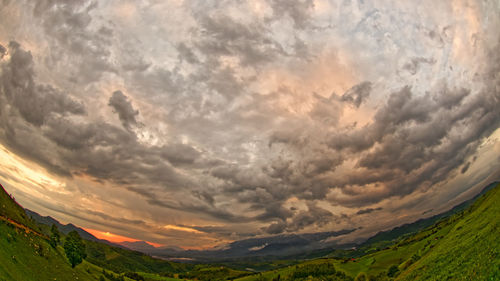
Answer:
[(105, 235)]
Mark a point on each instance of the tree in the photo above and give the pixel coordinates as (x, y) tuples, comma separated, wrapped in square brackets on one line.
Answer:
[(361, 277), (74, 248), (55, 236), (393, 270)]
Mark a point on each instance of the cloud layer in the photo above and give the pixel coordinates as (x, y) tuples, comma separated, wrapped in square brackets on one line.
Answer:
[(247, 118)]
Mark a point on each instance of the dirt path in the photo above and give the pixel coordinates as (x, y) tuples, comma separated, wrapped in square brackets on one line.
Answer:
[(23, 227)]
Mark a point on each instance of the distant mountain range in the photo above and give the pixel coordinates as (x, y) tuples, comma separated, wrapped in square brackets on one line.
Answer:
[(270, 247), (67, 228)]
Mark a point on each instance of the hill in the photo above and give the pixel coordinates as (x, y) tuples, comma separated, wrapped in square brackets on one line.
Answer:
[(64, 228), (25, 253), (471, 249)]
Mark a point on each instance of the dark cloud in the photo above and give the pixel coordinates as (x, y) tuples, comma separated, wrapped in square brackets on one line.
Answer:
[(186, 53), (276, 228), (465, 167), (3, 51), (298, 11), (368, 210), (74, 40), (313, 216), (236, 118), (34, 102), (414, 64), (357, 94), (123, 106), (224, 36)]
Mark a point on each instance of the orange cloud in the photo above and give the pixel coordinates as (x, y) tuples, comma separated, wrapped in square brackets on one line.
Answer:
[(181, 228)]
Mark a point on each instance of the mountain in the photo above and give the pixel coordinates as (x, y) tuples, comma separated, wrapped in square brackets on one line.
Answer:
[(268, 248), (140, 246), (64, 228)]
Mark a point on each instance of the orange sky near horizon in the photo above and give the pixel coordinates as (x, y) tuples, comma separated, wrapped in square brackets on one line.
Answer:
[(105, 235)]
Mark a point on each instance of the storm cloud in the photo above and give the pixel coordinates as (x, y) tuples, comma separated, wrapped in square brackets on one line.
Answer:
[(236, 119)]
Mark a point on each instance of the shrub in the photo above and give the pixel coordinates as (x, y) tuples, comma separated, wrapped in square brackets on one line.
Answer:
[(74, 248), (393, 271)]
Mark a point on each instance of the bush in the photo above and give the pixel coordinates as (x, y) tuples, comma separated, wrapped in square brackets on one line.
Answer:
[(55, 236), (74, 248), (393, 271), (361, 277)]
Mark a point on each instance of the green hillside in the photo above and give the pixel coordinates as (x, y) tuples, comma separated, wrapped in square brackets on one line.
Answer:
[(9, 209), (471, 249), (25, 253)]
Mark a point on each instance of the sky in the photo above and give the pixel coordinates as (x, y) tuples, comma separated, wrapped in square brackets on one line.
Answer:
[(197, 123)]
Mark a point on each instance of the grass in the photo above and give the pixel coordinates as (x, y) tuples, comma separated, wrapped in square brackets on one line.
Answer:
[(29, 257), (470, 251)]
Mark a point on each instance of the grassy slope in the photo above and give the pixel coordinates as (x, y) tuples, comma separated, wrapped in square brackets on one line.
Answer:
[(26, 256), (464, 246), (470, 251), (10, 209)]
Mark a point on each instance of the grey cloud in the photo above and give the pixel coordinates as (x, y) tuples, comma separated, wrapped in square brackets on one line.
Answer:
[(123, 106), (186, 53), (34, 102), (414, 64), (228, 135), (180, 154), (368, 210), (226, 36), (276, 228), (100, 150), (297, 10), (313, 216), (3, 51), (465, 167), (73, 39), (422, 129), (357, 94), (328, 111)]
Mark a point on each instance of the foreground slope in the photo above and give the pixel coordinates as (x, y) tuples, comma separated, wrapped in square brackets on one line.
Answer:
[(25, 253), (470, 251)]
